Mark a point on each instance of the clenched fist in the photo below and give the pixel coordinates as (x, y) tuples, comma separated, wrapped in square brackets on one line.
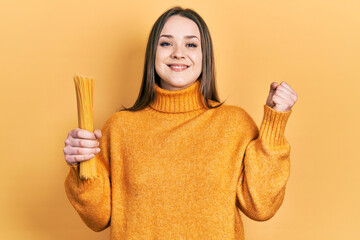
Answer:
[(281, 97)]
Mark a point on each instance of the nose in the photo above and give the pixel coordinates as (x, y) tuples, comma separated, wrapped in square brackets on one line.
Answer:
[(178, 52)]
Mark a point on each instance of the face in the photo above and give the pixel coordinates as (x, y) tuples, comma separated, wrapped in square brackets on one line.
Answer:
[(178, 60)]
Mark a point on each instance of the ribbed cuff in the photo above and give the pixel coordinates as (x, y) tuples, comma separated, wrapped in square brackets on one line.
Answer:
[(272, 129), (75, 169)]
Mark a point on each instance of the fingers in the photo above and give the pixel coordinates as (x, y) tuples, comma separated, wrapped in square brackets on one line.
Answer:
[(82, 138), (286, 86), (75, 159), (81, 145), (86, 143), (280, 101), (80, 151), (273, 86), (283, 93), (283, 89), (282, 85), (286, 92), (281, 96), (81, 133), (97, 133)]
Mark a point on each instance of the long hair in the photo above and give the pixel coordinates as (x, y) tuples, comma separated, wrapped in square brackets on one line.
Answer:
[(150, 77)]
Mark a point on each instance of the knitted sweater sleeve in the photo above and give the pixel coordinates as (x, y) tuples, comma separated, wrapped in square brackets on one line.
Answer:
[(265, 167), (91, 198)]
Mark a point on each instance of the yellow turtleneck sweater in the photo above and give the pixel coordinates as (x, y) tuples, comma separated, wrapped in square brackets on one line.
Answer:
[(177, 170)]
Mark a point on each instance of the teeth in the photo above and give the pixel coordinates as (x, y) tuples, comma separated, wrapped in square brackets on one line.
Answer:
[(178, 66)]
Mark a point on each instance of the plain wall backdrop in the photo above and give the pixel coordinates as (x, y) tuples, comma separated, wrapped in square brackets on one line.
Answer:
[(313, 45)]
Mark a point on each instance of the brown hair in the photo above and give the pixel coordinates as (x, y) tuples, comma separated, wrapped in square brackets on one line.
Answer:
[(150, 77)]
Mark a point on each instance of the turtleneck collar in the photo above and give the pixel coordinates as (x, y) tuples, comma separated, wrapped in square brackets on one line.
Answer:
[(178, 101)]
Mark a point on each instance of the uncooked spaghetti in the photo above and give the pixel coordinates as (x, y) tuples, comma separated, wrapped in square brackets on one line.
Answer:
[(84, 94)]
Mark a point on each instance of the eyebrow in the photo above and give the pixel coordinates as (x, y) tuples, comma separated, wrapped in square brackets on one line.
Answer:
[(187, 36)]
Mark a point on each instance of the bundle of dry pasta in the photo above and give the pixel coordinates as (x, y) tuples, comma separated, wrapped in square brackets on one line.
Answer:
[(84, 94)]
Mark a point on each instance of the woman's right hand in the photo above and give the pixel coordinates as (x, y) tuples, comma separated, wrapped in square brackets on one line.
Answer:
[(81, 145)]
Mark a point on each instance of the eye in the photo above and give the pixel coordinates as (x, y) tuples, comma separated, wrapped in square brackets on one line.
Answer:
[(192, 45), (164, 44)]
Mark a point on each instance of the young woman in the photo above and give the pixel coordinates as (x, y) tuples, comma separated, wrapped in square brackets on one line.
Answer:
[(179, 164)]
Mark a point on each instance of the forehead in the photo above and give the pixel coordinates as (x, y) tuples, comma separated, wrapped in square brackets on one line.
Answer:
[(179, 26)]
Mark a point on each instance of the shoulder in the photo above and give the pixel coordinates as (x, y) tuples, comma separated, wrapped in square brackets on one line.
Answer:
[(238, 117), (124, 119), (235, 112), (115, 120)]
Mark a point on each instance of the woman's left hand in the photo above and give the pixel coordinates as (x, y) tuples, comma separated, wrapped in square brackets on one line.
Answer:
[(281, 97)]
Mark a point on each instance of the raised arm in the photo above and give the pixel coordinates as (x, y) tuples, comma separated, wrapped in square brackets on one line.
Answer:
[(265, 168)]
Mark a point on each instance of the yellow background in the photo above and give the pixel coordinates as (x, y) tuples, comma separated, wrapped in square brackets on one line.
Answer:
[(312, 45)]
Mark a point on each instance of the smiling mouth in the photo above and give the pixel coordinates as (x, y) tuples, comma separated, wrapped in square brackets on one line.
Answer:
[(178, 68)]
